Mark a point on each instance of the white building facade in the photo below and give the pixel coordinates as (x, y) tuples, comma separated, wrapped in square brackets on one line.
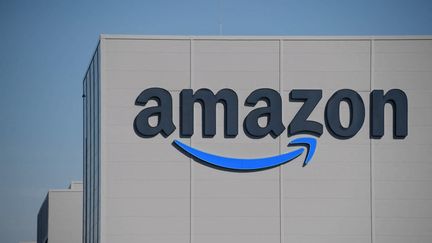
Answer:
[(60, 216), (138, 187)]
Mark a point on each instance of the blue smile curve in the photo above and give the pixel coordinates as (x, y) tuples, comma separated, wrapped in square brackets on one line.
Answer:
[(254, 163)]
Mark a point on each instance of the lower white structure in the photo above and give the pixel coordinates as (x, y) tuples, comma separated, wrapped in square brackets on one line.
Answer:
[(358, 190), (60, 216)]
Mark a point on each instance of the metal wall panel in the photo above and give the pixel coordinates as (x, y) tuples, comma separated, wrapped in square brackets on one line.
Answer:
[(42, 222), (402, 171), (227, 206), (355, 190), (65, 216), (91, 151), (147, 182), (329, 200)]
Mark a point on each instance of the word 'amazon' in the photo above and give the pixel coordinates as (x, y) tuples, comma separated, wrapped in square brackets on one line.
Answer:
[(300, 124)]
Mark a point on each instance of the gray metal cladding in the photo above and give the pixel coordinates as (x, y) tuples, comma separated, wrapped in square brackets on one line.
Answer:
[(354, 190), (91, 151), (42, 222), (60, 216)]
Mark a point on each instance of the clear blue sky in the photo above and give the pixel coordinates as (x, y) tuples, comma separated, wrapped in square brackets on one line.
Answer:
[(46, 45)]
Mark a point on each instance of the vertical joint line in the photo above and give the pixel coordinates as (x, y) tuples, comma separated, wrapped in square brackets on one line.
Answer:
[(280, 149), (371, 70), (190, 143)]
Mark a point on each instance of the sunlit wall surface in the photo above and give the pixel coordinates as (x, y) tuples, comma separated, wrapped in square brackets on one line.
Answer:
[(60, 216), (355, 190)]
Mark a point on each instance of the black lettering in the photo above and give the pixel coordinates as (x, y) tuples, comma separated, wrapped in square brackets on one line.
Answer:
[(332, 113), (299, 123), (399, 102), (273, 112), (163, 111), (207, 99)]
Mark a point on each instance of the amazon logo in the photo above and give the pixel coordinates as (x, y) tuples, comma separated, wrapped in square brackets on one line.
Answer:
[(300, 124)]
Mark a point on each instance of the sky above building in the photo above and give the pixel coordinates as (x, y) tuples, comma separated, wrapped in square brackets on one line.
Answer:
[(46, 46)]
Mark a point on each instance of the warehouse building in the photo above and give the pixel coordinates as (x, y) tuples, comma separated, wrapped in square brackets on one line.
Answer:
[(60, 216), (185, 140)]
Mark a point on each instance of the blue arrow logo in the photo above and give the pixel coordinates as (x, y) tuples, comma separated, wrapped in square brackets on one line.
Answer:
[(240, 164)]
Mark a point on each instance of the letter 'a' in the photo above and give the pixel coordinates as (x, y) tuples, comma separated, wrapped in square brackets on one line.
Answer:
[(273, 113), (163, 111)]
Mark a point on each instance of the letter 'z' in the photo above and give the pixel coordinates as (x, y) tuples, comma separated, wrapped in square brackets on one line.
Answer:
[(163, 111)]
